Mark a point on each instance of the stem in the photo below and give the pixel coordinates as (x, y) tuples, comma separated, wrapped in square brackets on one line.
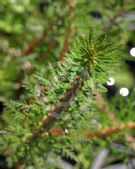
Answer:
[(118, 14), (33, 45), (67, 41), (107, 131), (54, 114), (70, 31)]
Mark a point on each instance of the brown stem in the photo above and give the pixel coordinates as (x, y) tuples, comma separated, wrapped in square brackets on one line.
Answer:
[(104, 132), (70, 31), (107, 131), (32, 46), (51, 117), (67, 41)]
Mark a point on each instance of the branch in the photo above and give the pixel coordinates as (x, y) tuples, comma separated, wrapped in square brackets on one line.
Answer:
[(104, 132), (32, 46), (67, 41), (54, 114), (107, 131), (70, 31), (118, 14), (102, 104)]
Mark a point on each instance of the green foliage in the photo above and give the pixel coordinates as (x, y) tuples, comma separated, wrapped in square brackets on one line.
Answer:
[(38, 83)]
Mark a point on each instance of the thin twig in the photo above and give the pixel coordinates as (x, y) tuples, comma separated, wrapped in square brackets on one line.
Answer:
[(70, 31), (33, 45), (122, 9), (107, 131), (67, 41)]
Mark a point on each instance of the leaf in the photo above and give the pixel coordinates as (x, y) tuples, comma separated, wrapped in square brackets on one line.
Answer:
[(101, 88), (91, 34), (100, 39)]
